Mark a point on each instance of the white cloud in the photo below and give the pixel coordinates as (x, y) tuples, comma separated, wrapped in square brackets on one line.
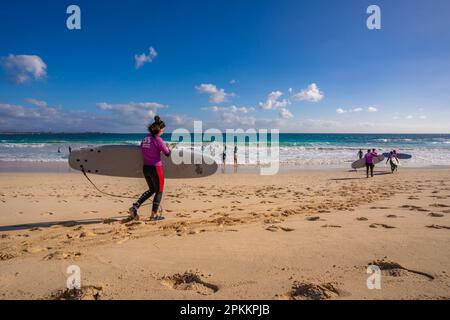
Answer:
[(319, 124), (37, 103), (409, 117), (273, 102), (24, 68), (139, 110), (40, 110), (143, 58), (286, 114), (232, 109), (216, 95), (178, 120), (42, 107), (234, 115), (423, 117), (237, 120), (369, 109), (232, 81), (131, 117), (311, 93), (16, 111)]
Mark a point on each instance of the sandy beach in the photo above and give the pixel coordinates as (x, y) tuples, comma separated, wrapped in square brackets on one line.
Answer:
[(296, 235)]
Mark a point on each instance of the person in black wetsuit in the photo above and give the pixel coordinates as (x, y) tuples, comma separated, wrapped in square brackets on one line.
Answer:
[(360, 154)]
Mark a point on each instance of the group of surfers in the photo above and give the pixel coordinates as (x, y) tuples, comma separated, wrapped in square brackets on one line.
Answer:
[(370, 157)]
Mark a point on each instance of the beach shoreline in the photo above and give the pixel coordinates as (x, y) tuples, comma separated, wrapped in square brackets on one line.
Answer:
[(63, 167)]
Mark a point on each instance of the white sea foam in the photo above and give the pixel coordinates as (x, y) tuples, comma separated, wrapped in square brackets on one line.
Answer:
[(311, 154)]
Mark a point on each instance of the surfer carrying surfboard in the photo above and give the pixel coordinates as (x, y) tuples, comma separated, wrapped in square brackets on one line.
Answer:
[(151, 147), (369, 157), (393, 160)]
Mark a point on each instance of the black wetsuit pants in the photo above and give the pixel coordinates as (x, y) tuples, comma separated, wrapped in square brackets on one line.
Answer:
[(369, 167), (155, 179)]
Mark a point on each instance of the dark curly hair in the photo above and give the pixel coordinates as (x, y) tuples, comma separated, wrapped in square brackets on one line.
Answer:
[(156, 126)]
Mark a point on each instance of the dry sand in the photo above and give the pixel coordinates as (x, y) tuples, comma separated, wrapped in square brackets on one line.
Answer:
[(296, 235)]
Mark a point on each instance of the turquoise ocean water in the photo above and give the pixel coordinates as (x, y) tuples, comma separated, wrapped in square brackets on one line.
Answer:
[(333, 150)]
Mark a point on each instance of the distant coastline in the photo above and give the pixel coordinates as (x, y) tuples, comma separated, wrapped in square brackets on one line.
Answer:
[(285, 133), (50, 132)]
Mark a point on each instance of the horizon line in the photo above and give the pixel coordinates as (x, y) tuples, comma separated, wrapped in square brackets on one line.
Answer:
[(100, 132)]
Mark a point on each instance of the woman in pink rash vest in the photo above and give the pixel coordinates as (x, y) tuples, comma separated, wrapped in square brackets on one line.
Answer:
[(152, 146), (369, 157)]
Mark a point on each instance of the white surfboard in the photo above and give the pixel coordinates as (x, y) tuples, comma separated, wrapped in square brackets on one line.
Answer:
[(127, 161), (361, 163), (396, 162)]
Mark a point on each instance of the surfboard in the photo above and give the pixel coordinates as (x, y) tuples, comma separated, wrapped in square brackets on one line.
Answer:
[(127, 161), (361, 163), (396, 162), (401, 156)]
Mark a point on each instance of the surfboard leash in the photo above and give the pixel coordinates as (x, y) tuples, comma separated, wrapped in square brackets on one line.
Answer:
[(116, 195), (101, 191)]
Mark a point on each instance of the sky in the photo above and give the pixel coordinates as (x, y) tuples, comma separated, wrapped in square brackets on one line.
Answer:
[(296, 66)]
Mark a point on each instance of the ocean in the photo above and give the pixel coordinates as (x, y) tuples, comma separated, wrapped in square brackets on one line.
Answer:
[(296, 149)]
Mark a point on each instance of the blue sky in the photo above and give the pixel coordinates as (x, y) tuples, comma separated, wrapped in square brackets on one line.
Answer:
[(300, 66)]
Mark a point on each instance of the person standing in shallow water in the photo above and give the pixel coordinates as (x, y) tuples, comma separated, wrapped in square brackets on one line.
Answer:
[(151, 147), (235, 158), (360, 154)]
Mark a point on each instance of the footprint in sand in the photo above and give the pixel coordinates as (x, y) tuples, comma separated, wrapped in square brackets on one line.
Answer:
[(189, 281), (435, 226), (439, 205), (183, 215), (311, 291), (273, 221), (196, 231), (83, 234), (34, 249), (85, 293), (60, 255), (7, 255), (435, 215), (274, 228), (331, 226), (394, 269), (391, 216), (414, 208), (362, 219), (376, 225), (315, 218)]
